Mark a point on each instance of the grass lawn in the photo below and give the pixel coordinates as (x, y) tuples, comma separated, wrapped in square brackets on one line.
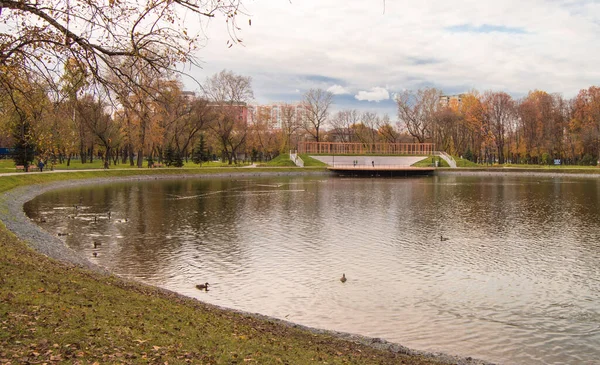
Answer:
[(461, 162), (311, 162), (429, 161), (283, 160), (54, 313)]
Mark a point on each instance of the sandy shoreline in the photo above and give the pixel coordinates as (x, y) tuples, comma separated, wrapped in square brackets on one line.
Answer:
[(13, 216)]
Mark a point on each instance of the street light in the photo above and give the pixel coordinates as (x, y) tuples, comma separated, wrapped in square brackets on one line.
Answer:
[(333, 155)]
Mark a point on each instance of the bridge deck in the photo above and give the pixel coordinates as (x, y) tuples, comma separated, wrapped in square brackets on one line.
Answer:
[(380, 170)]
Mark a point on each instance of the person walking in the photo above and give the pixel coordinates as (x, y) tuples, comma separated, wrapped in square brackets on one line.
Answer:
[(41, 165)]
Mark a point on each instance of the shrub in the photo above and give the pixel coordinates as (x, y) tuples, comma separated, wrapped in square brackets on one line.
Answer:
[(546, 159), (468, 155), (588, 160)]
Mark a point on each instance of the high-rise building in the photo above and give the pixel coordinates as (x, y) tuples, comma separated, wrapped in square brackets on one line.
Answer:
[(277, 113), (445, 100)]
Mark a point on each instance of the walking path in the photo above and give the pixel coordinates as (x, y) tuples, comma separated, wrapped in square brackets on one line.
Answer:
[(35, 171)]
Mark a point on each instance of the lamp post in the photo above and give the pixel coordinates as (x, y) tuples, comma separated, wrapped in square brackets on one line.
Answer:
[(333, 145)]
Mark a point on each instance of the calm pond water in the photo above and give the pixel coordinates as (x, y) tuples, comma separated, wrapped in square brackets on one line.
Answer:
[(517, 281)]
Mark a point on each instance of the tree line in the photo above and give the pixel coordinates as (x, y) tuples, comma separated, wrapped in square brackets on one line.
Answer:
[(157, 122), (494, 127)]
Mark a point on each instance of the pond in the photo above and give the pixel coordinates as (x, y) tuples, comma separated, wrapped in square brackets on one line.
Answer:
[(516, 278)]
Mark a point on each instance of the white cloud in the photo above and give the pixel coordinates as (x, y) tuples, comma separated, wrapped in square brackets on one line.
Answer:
[(454, 46), (376, 94), (338, 90)]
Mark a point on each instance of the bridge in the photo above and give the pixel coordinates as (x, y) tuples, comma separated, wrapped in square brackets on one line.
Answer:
[(375, 159)]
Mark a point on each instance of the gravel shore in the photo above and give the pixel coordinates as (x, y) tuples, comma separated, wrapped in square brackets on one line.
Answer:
[(13, 216)]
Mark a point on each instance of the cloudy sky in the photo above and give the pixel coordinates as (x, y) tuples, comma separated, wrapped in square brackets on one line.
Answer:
[(364, 51)]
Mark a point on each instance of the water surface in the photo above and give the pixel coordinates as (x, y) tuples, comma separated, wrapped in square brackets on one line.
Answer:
[(517, 281)]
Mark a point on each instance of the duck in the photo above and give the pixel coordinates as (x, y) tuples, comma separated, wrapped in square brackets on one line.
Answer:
[(202, 286), (343, 278), (442, 238), (95, 254), (96, 244)]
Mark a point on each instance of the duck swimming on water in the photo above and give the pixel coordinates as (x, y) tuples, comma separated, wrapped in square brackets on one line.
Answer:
[(343, 278), (442, 238), (202, 286)]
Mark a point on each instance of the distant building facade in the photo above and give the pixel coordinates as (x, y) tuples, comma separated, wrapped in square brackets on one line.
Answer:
[(276, 113), (446, 100)]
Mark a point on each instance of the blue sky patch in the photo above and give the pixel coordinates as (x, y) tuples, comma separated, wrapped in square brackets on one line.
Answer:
[(485, 28)]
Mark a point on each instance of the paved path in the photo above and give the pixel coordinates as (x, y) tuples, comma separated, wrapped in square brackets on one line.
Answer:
[(36, 171)]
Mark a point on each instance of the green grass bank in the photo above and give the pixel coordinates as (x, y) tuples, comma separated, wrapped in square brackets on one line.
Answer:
[(51, 312)]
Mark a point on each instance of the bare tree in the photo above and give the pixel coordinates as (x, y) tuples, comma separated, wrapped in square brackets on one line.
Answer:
[(500, 110), (228, 95), (317, 103), (343, 121), (290, 123), (194, 120), (417, 110)]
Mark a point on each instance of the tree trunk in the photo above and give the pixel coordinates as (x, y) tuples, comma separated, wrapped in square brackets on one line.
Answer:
[(140, 158), (81, 153), (107, 157), (130, 151)]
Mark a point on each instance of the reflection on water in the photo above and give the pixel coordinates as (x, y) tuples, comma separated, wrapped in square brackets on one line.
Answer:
[(518, 281)]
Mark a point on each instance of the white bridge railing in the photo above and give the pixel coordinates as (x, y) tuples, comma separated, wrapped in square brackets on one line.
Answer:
[(297, 160), (449, 159)]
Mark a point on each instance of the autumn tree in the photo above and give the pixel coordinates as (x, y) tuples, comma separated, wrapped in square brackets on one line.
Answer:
[(386, 130), (447, 121), (100, 124), (317, 103), (142, 111), (171, 110), (499, 112), (471, 114), (263, 137), (26, 110), (73, 82), (99, 34), (586, 118)]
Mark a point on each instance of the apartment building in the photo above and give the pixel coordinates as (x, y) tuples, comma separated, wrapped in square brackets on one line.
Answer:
[(276, 113), (446, 100)]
